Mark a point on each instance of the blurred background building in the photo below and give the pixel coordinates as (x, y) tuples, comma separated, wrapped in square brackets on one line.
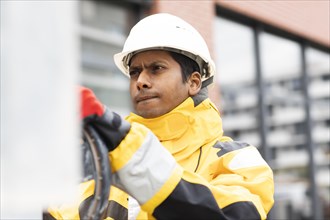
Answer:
[(272, 85)]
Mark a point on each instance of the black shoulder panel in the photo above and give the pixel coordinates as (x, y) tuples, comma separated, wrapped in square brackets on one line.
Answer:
[(226, 147), (242, 210), (189, 201)]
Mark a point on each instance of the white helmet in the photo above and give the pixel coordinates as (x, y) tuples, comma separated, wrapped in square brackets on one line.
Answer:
[(167, 32)]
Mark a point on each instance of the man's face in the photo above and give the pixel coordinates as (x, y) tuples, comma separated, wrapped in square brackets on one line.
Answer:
[(156, 85)]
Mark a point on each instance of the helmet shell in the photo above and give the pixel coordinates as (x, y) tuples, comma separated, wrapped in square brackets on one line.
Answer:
[(166, 32)]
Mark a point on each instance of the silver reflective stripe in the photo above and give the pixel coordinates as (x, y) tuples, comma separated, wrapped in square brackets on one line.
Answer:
[(133, 208), (147, 171), (246, 158)]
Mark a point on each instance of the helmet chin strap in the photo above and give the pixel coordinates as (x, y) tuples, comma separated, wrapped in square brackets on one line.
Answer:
[(207, 82)]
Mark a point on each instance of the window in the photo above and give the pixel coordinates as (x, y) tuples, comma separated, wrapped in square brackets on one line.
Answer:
[(260, 67), (281, 71), (318, 72), (237, 79)]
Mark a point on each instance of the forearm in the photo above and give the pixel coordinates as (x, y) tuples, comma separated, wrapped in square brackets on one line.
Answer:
[(142, 166)]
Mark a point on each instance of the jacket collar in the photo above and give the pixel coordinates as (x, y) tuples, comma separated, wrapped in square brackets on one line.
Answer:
[(186, 126)]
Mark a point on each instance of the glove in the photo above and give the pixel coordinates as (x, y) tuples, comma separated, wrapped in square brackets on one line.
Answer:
[(90, 106), (109, 125)]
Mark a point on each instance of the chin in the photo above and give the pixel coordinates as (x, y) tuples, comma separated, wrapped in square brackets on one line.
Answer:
[(149, 113)]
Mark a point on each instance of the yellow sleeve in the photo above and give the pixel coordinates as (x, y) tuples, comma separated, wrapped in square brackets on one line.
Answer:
[(241, 186)]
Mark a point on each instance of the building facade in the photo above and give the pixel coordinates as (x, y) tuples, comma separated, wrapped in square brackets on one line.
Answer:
[(272, 86)]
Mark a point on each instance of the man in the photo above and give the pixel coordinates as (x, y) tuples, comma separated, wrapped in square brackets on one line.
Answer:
[(169, 158)]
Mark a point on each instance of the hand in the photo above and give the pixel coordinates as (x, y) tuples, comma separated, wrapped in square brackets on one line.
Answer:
[(109, 125)]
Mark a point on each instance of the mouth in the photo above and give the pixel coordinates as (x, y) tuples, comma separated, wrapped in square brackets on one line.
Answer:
[(144, 98)]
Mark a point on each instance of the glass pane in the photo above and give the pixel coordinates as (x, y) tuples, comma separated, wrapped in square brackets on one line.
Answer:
[(318, 62), (99, 55), (318, 69), (234, 52), (282, 74), (280, 57), (281, 70), (111, 18), (236, 76), (104, 27)]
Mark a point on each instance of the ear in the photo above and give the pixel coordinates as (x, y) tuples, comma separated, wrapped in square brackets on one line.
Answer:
[(195, 83)]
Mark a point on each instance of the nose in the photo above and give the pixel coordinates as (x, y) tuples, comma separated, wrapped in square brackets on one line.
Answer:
[(143, 81)]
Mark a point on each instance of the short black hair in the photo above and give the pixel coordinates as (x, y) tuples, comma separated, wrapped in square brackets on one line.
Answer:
[(188, 66)]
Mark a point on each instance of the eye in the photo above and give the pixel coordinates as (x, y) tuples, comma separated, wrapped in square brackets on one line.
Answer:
[(157, 68), (134, 72)]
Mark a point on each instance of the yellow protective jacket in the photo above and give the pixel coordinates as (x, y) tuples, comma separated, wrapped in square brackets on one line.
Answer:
[(180, 166)]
